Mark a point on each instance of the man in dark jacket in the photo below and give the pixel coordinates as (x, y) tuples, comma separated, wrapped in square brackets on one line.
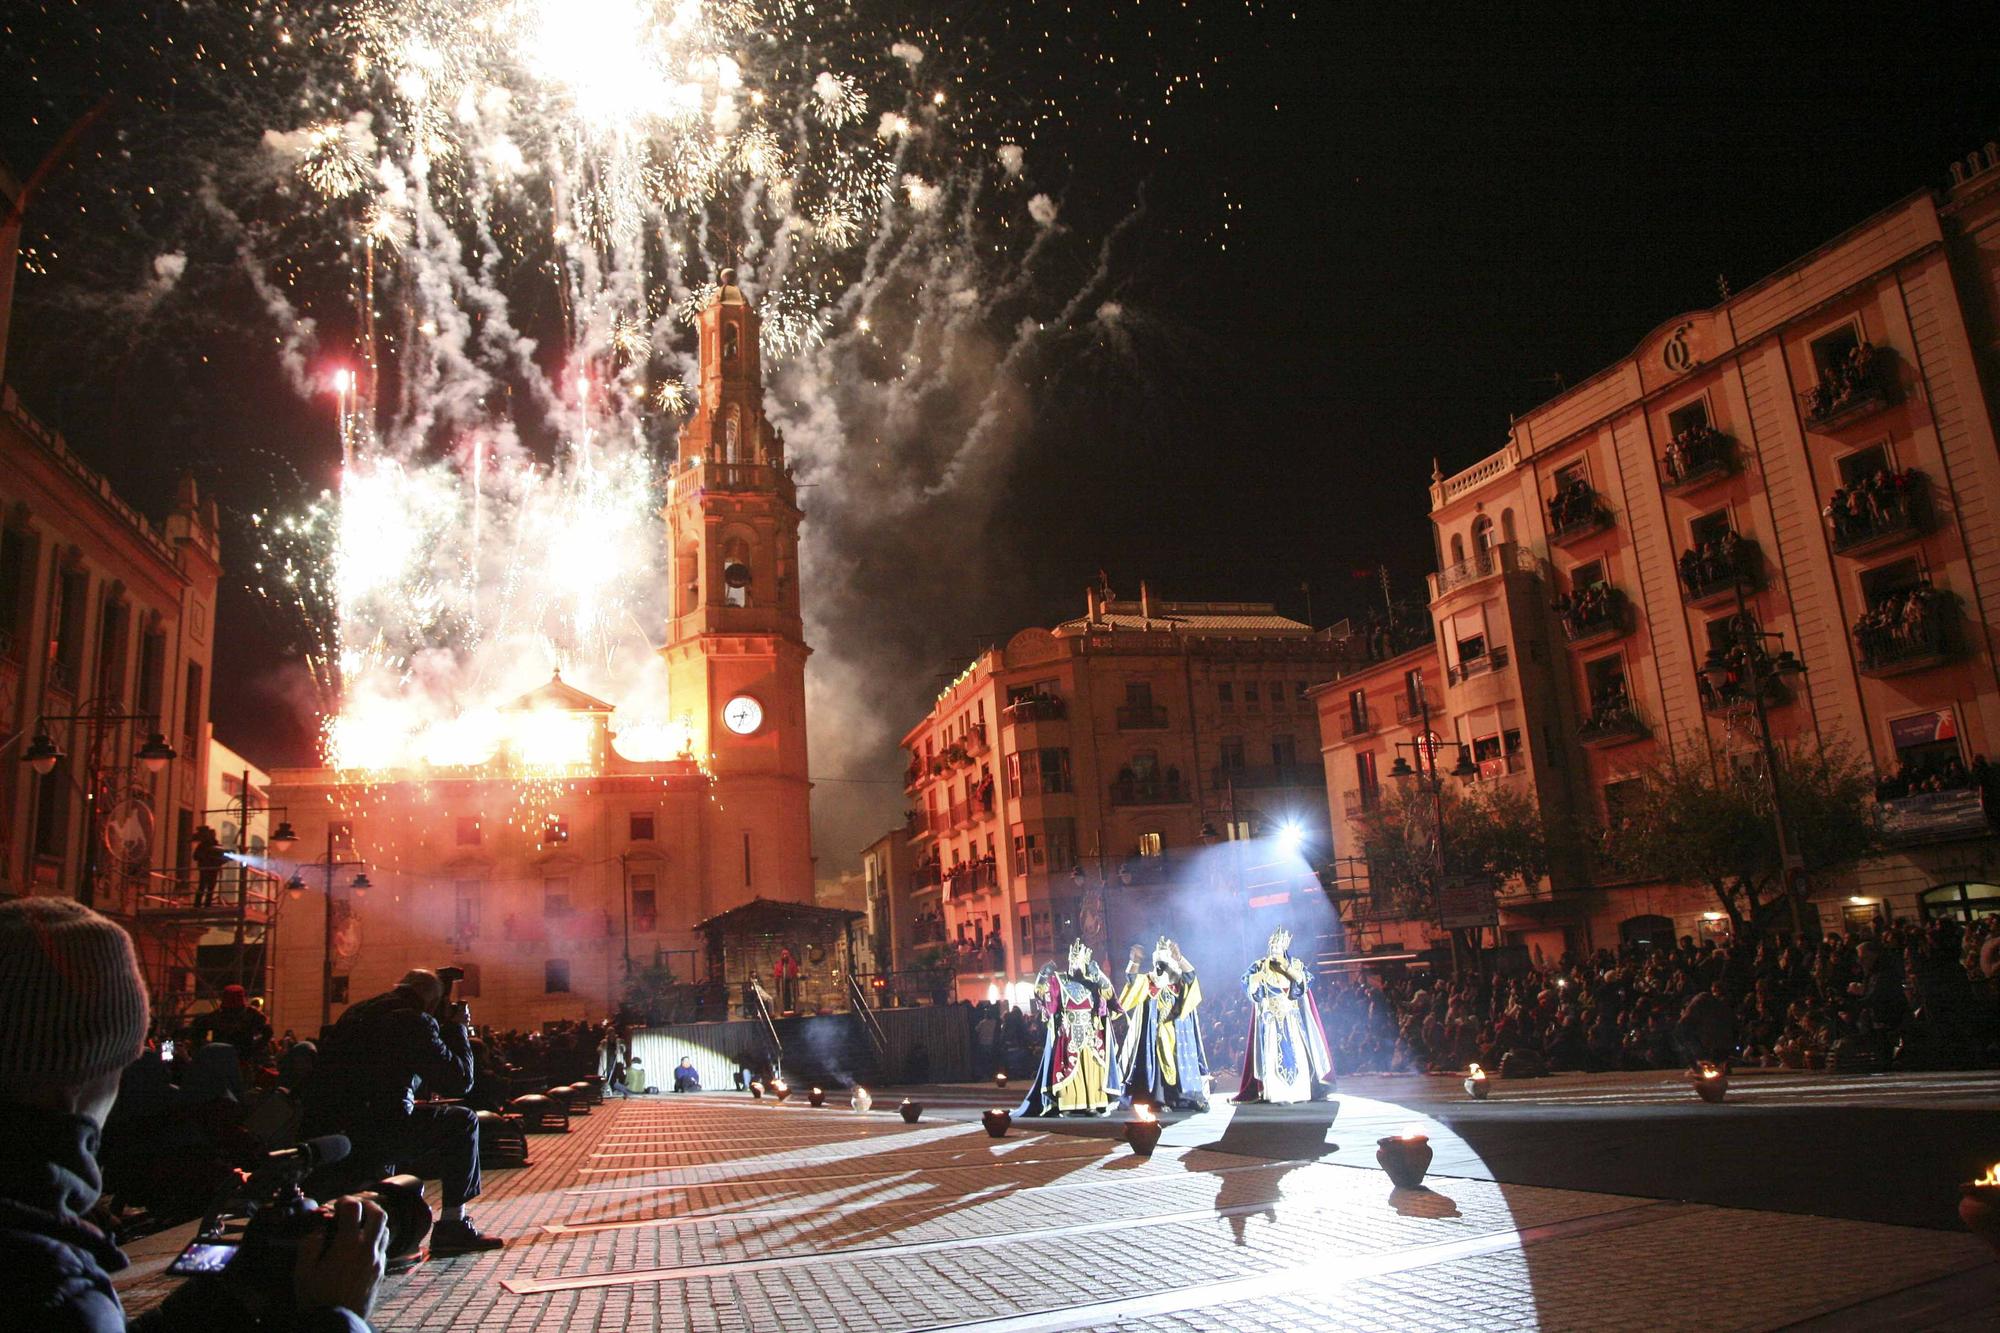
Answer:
[(72, 1016), (364, 1085)]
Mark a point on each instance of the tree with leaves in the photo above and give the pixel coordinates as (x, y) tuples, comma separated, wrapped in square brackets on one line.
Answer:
[(649, 995), (1696, 823), (1495, 829)]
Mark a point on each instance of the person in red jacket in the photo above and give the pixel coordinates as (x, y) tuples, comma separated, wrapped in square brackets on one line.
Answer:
[(786, 975)]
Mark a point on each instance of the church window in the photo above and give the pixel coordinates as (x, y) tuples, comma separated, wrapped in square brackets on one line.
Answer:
[(640, 828), (555, 976), (468, 830)]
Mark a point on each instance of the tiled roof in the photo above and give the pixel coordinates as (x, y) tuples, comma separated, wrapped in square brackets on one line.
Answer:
[(1172, 617), (557, 695)]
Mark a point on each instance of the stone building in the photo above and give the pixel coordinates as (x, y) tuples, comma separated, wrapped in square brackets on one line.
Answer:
[(549, 880), (1054, 781), (1814, 458)]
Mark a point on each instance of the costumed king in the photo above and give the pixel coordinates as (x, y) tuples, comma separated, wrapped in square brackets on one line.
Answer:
[(1077, 1075), (1288, 1049), (1162, 1061)]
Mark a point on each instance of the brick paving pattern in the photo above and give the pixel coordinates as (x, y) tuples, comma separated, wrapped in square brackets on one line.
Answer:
[(715, 1213)]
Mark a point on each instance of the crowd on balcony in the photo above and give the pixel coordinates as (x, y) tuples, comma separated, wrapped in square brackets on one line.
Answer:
[(1918, 779), (1611, 710), (1693, 451), (1715, 563), (980, 944), (1875, 503), (1386, 634), (1586, 609), (1850, 378), (1573, 505), (1904, 623), (968, 877), (927, 927), (1921, 996)]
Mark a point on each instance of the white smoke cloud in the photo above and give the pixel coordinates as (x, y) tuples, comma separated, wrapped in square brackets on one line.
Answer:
[(1012, 158), (907, 52), (1043, 210)]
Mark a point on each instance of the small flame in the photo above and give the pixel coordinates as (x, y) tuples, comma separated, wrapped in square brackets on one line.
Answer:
[(1411, 1135), (1143, 1113), (1474, 1071), (1992, 1176), (781, 1085), (1710, 1071), (821, 1093)]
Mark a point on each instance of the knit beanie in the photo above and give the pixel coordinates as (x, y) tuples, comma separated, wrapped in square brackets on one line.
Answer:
[(72, 1003)]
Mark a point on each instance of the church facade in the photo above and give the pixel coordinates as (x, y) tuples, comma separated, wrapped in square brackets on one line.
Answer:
[(551, 890)]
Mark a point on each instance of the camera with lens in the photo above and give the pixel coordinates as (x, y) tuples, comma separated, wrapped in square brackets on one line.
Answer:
[(253, 1237)]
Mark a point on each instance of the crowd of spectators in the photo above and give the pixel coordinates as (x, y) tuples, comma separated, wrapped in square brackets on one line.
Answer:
[(1587, 608), (1880, 500), (1851, 377), (1899, 624), (1693, 449), (1573, 505), (1716, 562), (1914, 996)]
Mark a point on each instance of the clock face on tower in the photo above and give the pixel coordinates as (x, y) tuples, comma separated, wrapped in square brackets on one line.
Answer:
[(743, 715)]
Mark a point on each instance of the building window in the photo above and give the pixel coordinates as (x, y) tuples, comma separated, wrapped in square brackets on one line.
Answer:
[(1152, 844), (465, 914), (1457, 549), (1619, 798), (1482, 535), (1368, 782), (645, 904), (66, 663), (1927, 753), (1284, 752), (153, 673), (1232, 754), (52, 815), (1711, 527), (555, 831), (1587, 575), (1885, 581), (1062, 845), (340, 836), (1278, 699), (1830, 352), (17, 576), (1055, 770), (639, 828), (191, 711), (1138, 694), (555, 896), (1299, 690), (1250, 695), (1964, 903), (1225, 693), (469, 832), (555, 976), (1688, 417), (1862, 464)]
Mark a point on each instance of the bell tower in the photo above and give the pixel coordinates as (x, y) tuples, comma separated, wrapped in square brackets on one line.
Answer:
[(735, 648)]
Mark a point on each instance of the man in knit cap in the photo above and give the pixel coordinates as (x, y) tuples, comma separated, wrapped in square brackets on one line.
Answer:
[(72, 1017)]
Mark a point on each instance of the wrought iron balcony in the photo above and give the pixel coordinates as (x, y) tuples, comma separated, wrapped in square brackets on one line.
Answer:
[(1612, 724), (1034, 708), (1714, 577), (1141, 717), (1495, 659), (1507, 557), (1148, 791), (1358, 723), (1576, 512), (1696, 458), (1360, 800), (1913, 630), (1849, 392), (1605, 615), (1879, 513)]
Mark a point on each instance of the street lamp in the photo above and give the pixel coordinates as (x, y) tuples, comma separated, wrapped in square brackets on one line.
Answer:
[(155, 754), (360, 885), (103, 778), (1425, 749), (42, 754), (1742, 660)]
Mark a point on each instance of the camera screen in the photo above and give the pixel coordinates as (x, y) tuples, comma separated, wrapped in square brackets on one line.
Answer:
[(203, 1256)]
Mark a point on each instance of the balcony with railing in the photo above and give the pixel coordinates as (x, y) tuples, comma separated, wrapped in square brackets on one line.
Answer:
[(1697, 457), (1857, 387), (1034, 708), (1362, 721), (1575, 512), (705, 474), (1408, 710), (1612, 721), (1880, 511), (1255, 776), (970, 878), (1129, 790), (975, 740), (1360, 800), (1505, 558), (1934, 803), (1141, 717), (922, 823), (1909, 630), (1713, 573), (1734, 695), (1594, 615), (914, 775), (1493, 659), (925, 877)]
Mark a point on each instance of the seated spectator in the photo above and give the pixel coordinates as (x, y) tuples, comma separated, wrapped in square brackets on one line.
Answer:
[(73, 1015), (686, 1078)]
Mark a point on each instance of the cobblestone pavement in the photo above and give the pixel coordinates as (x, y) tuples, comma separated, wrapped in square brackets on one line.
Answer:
[(716, 1213)]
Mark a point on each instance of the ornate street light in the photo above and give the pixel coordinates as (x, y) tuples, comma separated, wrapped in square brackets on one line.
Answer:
[(42, 754), (282, 838)]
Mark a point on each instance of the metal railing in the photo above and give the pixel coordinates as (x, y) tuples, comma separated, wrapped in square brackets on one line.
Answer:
[(871, 1025), (768, 1030), (1494, 660), (1035, 708), (1507, 557)]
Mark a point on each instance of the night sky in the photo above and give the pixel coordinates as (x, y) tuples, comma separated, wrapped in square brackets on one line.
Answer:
[(1366, 235)]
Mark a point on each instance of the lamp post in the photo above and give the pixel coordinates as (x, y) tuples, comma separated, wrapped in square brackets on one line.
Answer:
[(1425, 749), (104, 720), (360, 885), (1742, 660)]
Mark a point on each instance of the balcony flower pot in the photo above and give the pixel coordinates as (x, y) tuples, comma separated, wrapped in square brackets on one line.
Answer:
[(911, 1111), (1404, 1158), (1979, 1208), (997, 1122)]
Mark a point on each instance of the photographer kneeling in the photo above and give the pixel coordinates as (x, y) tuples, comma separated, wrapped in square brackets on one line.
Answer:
[(72, 1016), (364, 1086)]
